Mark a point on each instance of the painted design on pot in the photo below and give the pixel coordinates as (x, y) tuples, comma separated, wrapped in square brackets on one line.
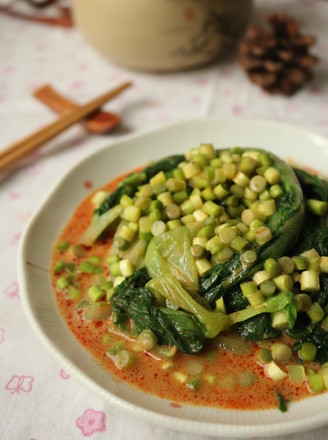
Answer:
[(220, 27)]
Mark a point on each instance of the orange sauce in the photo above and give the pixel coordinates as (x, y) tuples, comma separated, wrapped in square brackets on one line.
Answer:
[(223, 373)]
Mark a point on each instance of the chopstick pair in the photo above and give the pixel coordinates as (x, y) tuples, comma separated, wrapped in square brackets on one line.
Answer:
[(10, 156)]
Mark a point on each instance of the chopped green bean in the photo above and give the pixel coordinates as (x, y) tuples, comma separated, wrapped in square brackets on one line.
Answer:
[(172, 211), (121, 243), (197, 251), (62, 283), (87, 267), (94, 260), (264, 356), (62, 246), (317, 207), (147, 339), (95, 293), (111, 259), (180, 197), (281, 353), (249, 257), (59, 267), (268, 288), (300, 263), (308, 351), (273, 267)]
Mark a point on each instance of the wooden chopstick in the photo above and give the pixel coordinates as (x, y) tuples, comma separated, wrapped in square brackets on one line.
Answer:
[(13, 154), (99, 122)]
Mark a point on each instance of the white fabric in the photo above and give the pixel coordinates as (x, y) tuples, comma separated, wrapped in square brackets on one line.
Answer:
[(38, 400)]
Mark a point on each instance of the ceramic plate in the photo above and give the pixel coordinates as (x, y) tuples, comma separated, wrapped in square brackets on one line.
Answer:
[(56, 209)]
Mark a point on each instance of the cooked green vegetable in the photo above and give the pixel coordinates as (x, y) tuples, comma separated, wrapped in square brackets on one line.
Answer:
[(258, 328), (100, 224), (97, 311), (282, 403), (170, 253), (133, 300), (121, 358), (170, 288), (235, 301), (147, 339), (129, 185), (285, 225), (62, 246), (281, 302)]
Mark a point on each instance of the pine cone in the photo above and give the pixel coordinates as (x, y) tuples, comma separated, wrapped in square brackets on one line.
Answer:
[(277, 60)]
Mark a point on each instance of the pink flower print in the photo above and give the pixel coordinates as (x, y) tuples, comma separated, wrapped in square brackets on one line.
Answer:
[(9, 70), (202, 81), (20, 383), (83, 66), (81, 44), (291, 106), (115, 76), (91, 422), (2, 335), (14, 195), (41, 60), (40, 47), (20, 28), (16, 238), (163, 117), (12, 291), (153, 104), (316, 90), (78, 142), (196, 100), (227, 92), (173, 91), (59, 76), (226, 73), (63, 374), (238, 109), (33, 168), (77, 84)]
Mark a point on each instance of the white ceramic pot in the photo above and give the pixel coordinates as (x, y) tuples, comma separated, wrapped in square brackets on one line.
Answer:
[(161, 34)]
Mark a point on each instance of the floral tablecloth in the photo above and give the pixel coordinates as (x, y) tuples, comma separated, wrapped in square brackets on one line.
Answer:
[(39, 400)]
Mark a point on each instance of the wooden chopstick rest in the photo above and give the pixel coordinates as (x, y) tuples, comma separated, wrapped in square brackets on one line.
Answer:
[(11, 155), (99, 122)]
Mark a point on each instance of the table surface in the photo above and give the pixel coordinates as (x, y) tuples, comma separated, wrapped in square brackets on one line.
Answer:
[(39, 400)]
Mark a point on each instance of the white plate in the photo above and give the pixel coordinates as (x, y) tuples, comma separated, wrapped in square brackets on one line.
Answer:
[(53, 213)]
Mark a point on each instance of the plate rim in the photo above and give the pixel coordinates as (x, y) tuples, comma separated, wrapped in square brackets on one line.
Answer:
[(163, 420)]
